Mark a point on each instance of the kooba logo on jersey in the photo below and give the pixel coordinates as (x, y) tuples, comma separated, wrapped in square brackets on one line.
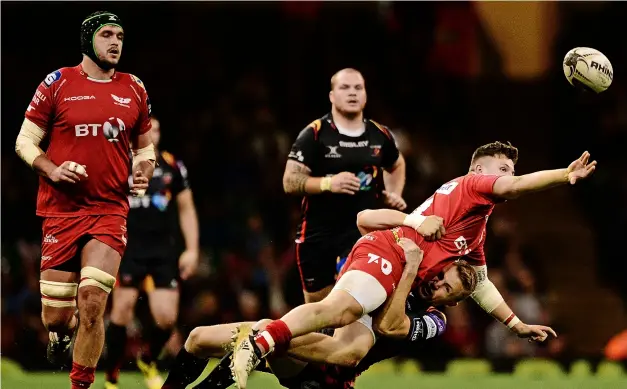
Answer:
[(110, 129)]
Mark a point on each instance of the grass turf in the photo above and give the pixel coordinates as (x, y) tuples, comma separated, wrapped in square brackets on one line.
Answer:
[(369, 381)]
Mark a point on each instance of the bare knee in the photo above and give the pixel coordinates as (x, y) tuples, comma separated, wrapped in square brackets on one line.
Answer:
[(91, 306), (193, 343), (351, 357), (165, 318), (57, 320)]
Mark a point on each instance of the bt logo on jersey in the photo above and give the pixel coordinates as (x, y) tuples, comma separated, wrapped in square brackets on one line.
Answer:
[(110, 129)]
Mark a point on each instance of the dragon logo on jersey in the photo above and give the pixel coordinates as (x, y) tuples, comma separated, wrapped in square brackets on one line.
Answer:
[(112, 128)]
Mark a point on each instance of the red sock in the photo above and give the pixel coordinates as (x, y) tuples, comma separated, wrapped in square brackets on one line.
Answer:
[(277, 335), (81, 377)]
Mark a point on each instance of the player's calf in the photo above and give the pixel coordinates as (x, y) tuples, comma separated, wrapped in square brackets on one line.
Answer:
[(94, 289), (58, 301)]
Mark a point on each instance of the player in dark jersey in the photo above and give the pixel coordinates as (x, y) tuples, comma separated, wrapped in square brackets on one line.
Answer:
[(152, 255), (373, 267), (93, 116), (341, 164), (340, 369)]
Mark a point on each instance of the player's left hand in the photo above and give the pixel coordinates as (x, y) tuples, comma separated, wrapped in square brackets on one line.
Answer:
[(535, 333), (394, 200), (140, 184), (188, 263), (580, 168)]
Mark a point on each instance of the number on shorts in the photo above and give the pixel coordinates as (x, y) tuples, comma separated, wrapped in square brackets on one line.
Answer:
[(386, 266)]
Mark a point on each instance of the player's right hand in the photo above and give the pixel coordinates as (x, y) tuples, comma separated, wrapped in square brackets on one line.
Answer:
[(432, 228), (345, 182), (68, 171), (413, 253)]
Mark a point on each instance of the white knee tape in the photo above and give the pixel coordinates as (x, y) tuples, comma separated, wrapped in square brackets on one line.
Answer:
[(364, 288), (91, 276), (58, 294)]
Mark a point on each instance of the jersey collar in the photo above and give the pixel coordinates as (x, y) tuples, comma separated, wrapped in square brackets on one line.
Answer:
[(80, 70)]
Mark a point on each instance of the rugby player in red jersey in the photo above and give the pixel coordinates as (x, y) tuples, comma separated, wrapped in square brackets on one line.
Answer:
[(335, 364), (93, 117), (375, 263)]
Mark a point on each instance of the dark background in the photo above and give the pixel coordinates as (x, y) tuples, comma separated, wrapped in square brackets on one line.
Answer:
[(234, 83)]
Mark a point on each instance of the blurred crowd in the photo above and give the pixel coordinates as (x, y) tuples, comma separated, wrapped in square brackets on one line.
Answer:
[(231, 110)]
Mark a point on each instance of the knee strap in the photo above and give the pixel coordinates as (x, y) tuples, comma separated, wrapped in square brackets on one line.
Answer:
[(91, 276), (58, 294)]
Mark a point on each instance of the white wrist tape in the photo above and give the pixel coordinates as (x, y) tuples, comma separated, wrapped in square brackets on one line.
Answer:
[(144, 154), (511, 321), (28, 140), (487, 296), (414, 220)]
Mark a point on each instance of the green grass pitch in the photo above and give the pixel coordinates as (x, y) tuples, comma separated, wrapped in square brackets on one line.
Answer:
[(382, 376)]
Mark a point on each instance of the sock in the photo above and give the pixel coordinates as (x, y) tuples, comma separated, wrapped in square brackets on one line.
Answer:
[(185, 370), (220, 376), (275, 337), (81, 376), (116, 345), (158, 338)]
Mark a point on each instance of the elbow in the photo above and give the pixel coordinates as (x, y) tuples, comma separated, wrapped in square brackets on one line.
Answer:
[(385, 329), (286, 186), (362, 218)]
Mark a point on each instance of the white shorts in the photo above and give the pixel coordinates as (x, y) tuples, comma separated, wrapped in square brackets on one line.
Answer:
[(364, 288)]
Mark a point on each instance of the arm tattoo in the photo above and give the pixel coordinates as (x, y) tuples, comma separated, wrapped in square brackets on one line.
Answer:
[(296, 178)]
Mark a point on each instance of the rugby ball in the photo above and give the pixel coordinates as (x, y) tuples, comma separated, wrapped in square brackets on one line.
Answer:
[(588, 69)]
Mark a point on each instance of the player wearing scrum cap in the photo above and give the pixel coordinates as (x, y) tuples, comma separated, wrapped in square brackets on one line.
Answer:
[(93, 116)]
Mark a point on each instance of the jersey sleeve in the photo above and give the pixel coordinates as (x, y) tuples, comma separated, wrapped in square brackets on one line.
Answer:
[(143, 124), (41, 109), (304, 147), (181, 181), (480, 187), (389, 150)]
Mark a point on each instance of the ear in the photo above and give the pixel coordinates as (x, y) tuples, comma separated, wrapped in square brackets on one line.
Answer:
[(478, 169), (331, 97)]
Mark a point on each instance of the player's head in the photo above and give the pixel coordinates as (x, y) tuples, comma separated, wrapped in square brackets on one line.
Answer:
[(348, 92), (102, 35), (155, 131), (455, 282), (495, 158)]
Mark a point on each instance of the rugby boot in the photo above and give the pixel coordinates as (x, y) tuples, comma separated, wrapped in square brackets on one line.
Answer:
[(246, 355), (151, 374)]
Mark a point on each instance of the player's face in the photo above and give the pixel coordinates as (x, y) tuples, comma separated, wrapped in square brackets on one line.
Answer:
[(155, 132), (108, 44), (498, 165), (349, 93), (444, 289)]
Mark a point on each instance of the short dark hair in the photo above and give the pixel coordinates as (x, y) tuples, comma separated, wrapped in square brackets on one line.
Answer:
[(467, 276), (493, 149)]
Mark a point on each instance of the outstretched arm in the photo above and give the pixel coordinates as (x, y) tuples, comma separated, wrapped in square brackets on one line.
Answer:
[(488, 297), (510, 187), (431, 227)]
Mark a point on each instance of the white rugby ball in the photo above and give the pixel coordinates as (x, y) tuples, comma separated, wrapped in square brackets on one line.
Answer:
[(588, 68)]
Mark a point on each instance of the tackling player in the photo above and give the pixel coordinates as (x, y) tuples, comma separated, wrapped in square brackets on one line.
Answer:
[(340, 164), (340, 368), (151, 253), (373, 267), (93, 117)]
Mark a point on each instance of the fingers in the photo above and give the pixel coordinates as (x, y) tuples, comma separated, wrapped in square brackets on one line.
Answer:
[(68, 176), (584, 157), (347, 191), (549, 330)]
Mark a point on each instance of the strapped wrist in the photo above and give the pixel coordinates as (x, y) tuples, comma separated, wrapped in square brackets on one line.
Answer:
[(325, 184), (414, 220)]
